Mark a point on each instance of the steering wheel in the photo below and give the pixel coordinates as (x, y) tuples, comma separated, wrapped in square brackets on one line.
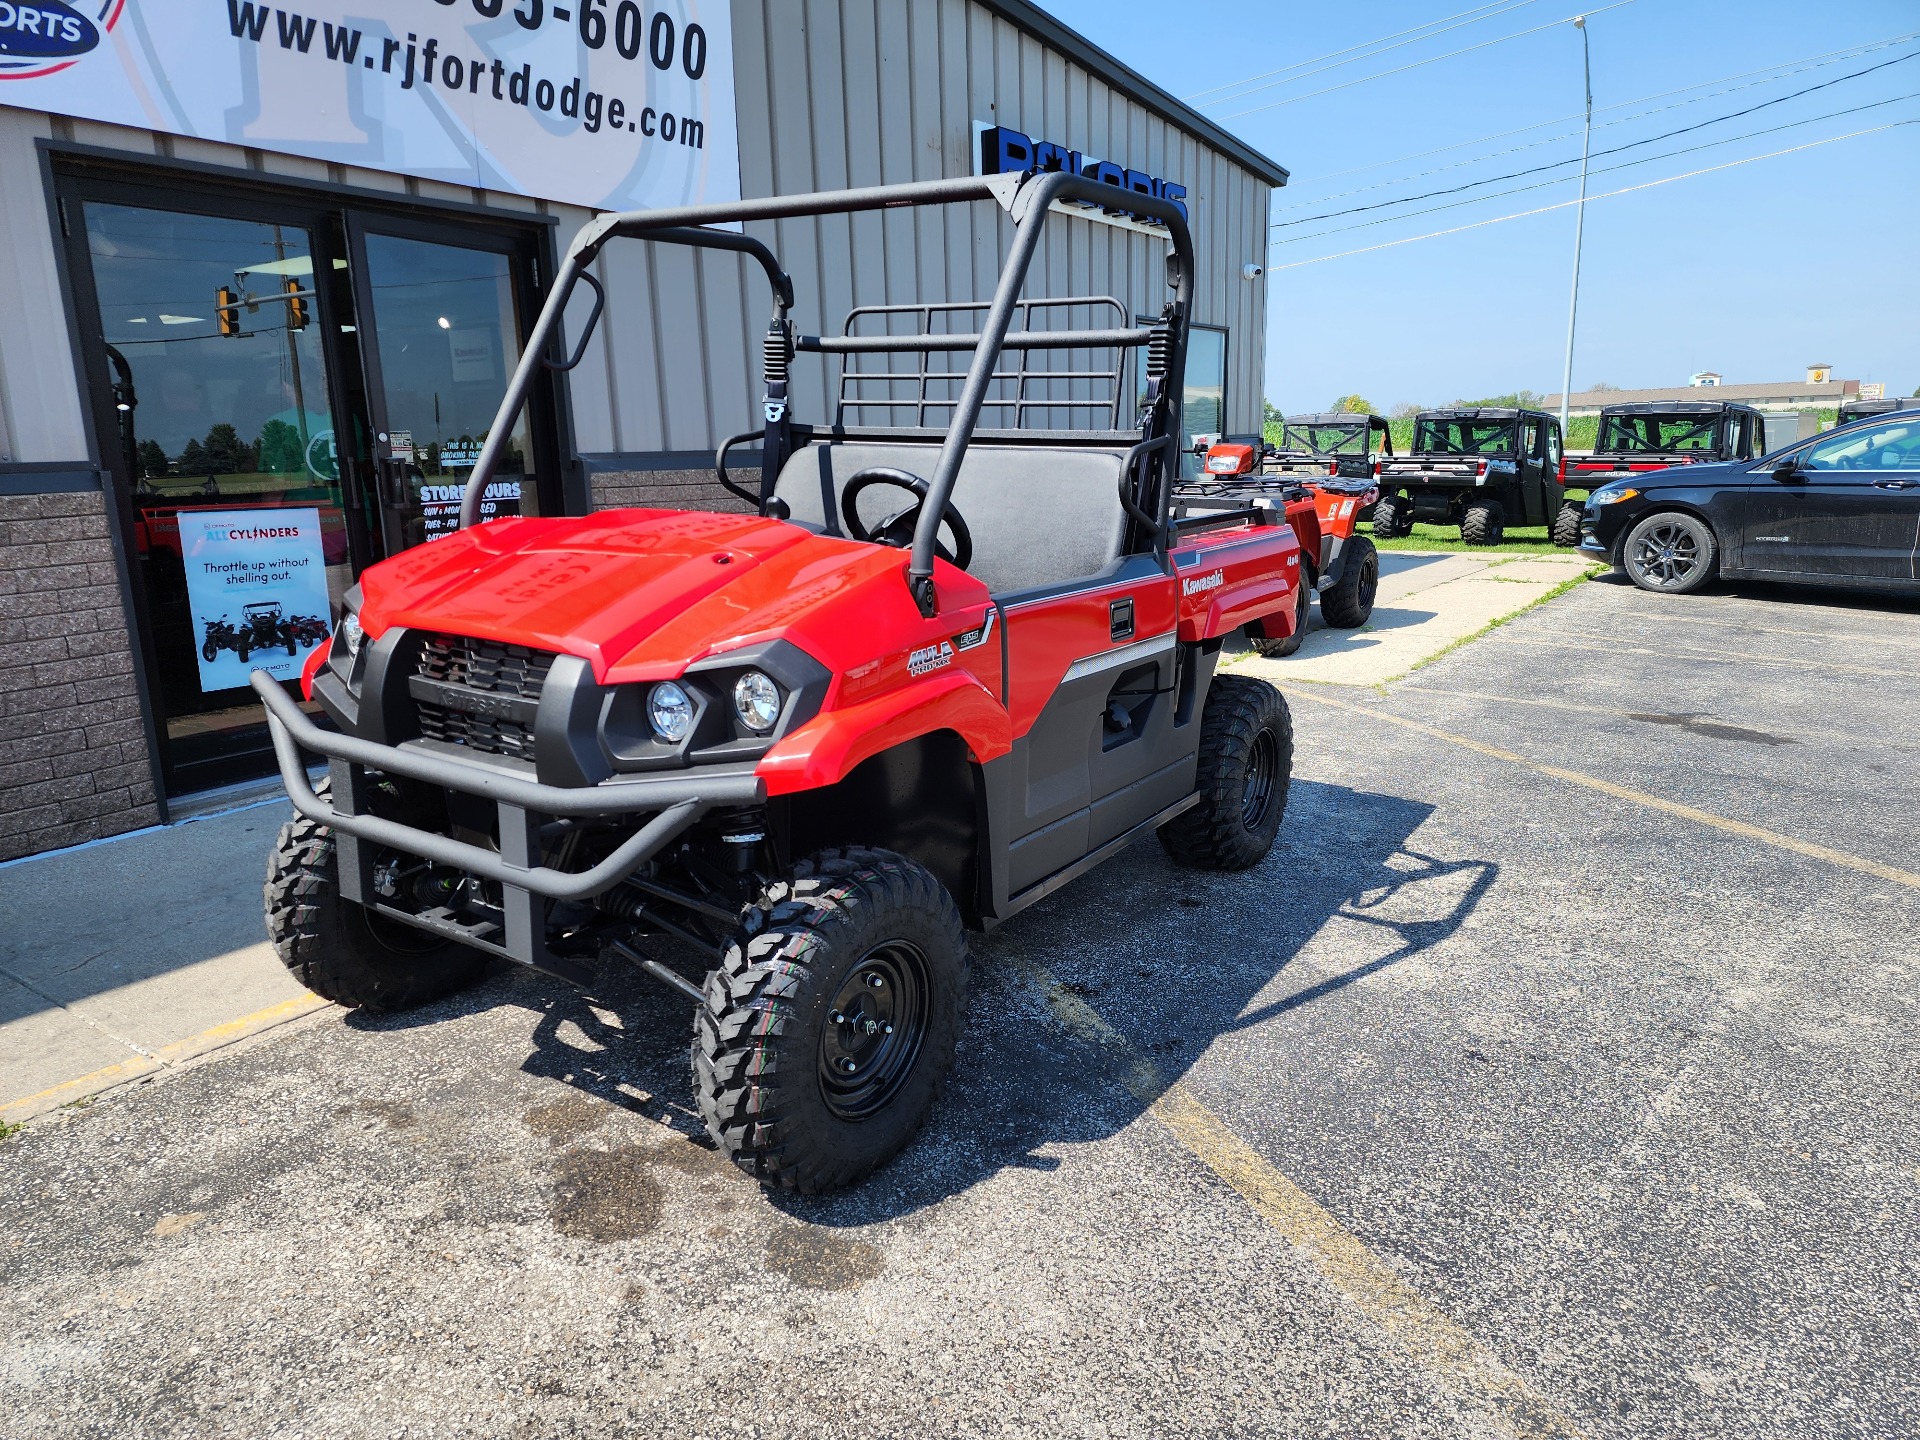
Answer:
[(897, 529)]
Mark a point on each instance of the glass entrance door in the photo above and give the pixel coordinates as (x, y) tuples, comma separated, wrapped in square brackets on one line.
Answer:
[(444, 320), (223, 406)]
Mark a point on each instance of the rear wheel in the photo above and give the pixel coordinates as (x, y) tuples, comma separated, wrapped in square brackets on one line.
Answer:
[(1393, 517), (342, 951), (1670, 553), (1484, 523), (1566, 526), (1287, 644), (831, 1021), (1347, 605), (1246, 768)]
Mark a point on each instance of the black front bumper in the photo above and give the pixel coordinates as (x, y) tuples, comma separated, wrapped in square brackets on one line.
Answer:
[(661, 805)]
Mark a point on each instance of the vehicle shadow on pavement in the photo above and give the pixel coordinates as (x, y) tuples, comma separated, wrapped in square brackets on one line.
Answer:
[(1172, 959)]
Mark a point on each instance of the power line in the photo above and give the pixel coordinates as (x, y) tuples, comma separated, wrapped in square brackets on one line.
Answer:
[(1497, 9), (1811, 144), (1617, 149), (1604, 195), (1431, 59), (1781, 71)]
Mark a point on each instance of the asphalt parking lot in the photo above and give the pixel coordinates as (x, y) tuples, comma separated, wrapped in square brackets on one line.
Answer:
[(1554, 1076)]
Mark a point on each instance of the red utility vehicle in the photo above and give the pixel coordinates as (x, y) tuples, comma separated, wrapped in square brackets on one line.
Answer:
[(1236, 486), (939, 671)]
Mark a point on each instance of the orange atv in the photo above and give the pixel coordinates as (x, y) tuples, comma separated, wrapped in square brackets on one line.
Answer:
[(1343, 567)]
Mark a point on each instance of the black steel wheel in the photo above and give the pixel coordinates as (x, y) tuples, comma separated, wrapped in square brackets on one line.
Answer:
[(830, 1024), (342, 951), (1670, 553), (1348, 604), (1246, 769), (1302, 611)]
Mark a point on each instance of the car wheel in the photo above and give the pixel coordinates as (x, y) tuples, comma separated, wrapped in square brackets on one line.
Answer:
[(1302, 609), (1484, 523), (830, 1023), (1246, 769), (1670, 553), (1347, 605), (1566, 526)]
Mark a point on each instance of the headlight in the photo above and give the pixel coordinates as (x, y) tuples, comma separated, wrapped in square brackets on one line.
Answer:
[(756, 700), (352, 634), (670, 712), (1608, 495)]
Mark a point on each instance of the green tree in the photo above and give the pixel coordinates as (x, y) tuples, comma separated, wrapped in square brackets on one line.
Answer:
[(151, 458), (193, 459), (1512, 400), (226, 453), (279, 448), (1354, 405)]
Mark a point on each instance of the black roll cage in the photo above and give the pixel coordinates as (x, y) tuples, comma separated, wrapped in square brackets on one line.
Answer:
[(1027, 199)]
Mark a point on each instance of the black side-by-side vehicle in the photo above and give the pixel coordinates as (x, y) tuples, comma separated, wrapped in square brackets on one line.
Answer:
[(1480, 468)]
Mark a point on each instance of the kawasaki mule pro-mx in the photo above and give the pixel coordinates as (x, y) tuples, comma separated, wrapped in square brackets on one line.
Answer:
[(939, 671)]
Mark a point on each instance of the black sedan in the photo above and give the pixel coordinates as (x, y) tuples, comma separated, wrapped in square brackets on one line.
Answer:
[(1840, 509)]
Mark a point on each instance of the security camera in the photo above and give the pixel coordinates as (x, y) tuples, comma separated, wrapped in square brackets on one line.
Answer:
[(1252, 270)]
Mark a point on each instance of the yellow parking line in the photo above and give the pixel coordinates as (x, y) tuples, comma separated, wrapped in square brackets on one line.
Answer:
[(1637, 797), (1465, 1367), (167, 1056)]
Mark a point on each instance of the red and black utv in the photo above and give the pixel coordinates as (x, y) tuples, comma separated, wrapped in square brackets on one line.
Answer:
[(1658, 435), (1323, 511), (939, 671)]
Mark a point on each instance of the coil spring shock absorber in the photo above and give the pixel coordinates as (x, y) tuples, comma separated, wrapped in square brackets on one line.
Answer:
[(744, 833)]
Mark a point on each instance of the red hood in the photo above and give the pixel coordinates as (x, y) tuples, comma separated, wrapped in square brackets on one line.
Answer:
[(639, 594)]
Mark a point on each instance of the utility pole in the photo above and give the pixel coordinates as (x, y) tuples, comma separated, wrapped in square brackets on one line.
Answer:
[(1579, 224)]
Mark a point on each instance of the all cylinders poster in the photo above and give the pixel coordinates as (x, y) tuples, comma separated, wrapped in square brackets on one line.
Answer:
[(257, 587)]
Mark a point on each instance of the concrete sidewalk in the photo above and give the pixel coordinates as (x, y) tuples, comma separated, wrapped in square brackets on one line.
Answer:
[(1428, 602), (125, 958)]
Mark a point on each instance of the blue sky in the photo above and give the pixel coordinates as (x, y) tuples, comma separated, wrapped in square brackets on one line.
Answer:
[(1754, 271)]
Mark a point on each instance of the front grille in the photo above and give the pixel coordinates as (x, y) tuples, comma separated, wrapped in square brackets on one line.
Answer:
[(490, 667)]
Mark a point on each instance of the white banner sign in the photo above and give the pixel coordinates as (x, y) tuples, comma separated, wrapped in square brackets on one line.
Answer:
[(257, 586), (616, 104)]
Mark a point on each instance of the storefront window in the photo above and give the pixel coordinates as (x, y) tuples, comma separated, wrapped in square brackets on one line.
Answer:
[(226, 425), (448, 340)]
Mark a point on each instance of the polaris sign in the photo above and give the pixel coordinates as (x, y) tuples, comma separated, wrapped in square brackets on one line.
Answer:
[(1005, 151)]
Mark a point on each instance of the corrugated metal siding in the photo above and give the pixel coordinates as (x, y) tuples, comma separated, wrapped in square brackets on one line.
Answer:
[(834, 93)]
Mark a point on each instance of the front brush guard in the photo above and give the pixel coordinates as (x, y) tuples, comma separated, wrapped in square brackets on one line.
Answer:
[(675, 802)]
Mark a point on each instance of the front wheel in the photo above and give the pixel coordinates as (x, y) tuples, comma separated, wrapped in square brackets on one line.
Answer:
[(209, 651), (1670, 553), (1348, 604), (1246, 768), (342, 951), (831, 1021)]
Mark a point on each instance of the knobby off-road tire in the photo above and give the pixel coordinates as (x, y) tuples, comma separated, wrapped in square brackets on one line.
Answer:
[(1670, 553), (1566, 527), (1347, 605), (1302, 610), (340, 951), (1246, 767), (769, 1055), (1393, 518), (1483, 523)]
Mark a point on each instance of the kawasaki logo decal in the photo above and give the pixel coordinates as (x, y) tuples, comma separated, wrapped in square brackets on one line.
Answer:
[(1200, 584)]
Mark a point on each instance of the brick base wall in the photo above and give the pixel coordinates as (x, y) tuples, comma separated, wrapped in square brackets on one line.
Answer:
[(73, 750), (669, 489)]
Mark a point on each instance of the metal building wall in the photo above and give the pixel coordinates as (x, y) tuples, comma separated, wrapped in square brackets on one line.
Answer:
[(835, 93)]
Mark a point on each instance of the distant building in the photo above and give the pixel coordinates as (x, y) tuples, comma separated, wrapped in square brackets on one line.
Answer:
[(1781, 396)]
